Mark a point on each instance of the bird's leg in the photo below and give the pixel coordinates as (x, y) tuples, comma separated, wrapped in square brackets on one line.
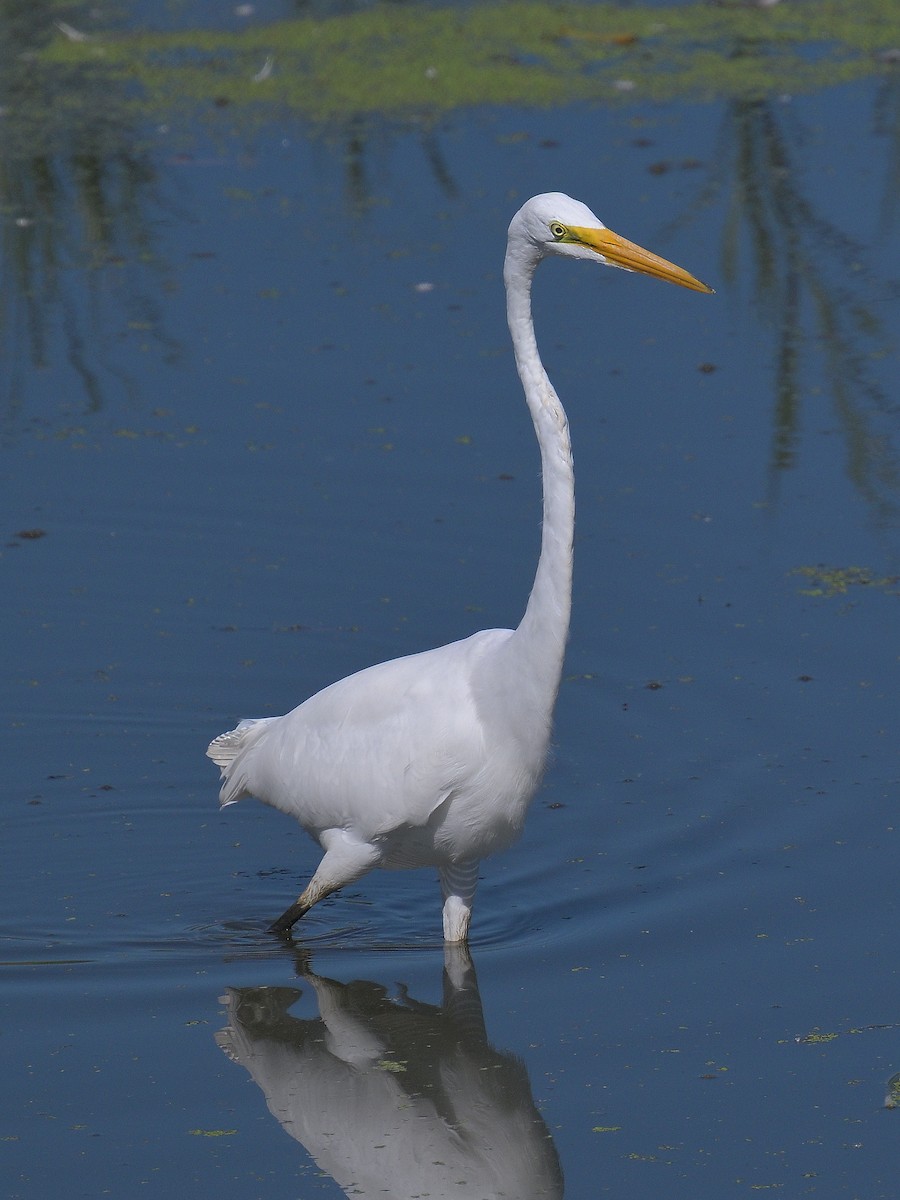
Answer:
[(292, 915), (458, 884), (345, 861), (307, 898)]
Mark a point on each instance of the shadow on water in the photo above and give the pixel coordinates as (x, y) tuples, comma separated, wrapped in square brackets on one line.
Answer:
[(77, 251), (815, 293), (78, 194), (361, 138), (390, 1095), (886, 125)]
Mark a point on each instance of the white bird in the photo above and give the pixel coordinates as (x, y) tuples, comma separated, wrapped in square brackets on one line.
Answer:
[(432, 760)]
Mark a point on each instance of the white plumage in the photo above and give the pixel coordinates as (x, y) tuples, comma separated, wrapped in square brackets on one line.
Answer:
[(433, 759)]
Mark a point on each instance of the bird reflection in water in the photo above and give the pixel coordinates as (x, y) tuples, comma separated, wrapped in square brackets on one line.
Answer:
[(392, 1096)]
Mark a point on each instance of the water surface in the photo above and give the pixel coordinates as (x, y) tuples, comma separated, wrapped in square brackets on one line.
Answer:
[(261, 427)]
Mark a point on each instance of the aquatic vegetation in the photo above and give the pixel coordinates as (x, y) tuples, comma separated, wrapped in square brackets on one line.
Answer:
[(398, 61), (837, 581)]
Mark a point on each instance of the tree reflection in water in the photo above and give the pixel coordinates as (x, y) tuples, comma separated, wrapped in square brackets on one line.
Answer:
[(75, 241), (812, 288)]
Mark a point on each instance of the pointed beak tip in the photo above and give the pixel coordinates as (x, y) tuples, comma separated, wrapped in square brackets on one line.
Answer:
[(619, 252)]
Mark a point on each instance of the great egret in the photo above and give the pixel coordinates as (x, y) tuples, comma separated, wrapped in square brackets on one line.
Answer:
[(431, 760)]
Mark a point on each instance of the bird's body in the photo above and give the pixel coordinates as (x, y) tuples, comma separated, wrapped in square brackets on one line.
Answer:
[(464, 772), (433, 759)]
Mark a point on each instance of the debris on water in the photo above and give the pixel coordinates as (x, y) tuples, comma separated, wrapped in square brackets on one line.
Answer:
[(70, 32), (265, 70)]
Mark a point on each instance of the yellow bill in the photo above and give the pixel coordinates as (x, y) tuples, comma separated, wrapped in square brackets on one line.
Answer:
[(621, 253)]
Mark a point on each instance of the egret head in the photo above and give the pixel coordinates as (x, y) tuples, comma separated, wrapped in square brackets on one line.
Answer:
[(554, 223)]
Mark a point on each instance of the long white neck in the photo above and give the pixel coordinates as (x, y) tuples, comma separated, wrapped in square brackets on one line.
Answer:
[(539, 642)]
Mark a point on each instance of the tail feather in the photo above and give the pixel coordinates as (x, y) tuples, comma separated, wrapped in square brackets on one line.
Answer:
[(226, 751)]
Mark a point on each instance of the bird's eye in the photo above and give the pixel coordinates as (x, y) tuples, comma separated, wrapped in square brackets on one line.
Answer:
[(558, 230)]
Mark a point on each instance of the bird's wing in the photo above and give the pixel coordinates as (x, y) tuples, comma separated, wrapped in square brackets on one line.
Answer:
[(374, 752)]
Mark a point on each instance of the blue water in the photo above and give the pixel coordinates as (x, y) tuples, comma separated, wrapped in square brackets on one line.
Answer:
[(260, 456)]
